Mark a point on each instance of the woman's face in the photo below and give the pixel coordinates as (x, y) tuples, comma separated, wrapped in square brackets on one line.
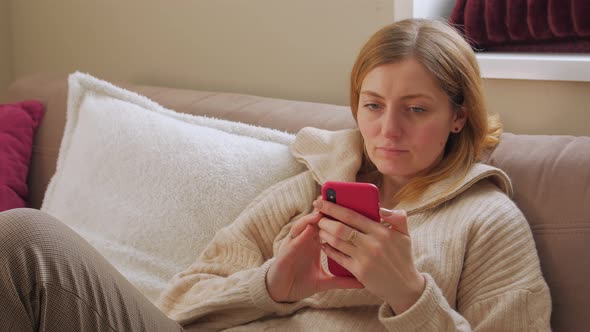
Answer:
[(405, 119)]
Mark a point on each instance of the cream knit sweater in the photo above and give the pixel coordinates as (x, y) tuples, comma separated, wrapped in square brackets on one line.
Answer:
[(470, 241)]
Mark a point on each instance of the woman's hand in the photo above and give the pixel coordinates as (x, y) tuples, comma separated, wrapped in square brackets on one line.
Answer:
[(297, 272), (379, 255)]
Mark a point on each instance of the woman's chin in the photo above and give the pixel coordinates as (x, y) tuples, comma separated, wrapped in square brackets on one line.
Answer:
[(395, 172)]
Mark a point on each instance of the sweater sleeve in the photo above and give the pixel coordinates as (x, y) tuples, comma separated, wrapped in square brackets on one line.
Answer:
[(501, 286), (226, 286)]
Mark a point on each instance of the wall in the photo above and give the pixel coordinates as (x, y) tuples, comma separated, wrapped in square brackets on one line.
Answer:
[(288, 49), (300, 50), (540, 107), (6, 69)]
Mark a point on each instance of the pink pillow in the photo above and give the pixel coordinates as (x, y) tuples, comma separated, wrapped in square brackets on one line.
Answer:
[(18, 123)]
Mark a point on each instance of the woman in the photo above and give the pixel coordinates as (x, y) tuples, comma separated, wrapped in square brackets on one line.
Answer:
[(452, 253)]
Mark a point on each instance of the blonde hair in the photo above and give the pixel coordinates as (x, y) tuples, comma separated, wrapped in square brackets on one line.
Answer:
[(442, 50)]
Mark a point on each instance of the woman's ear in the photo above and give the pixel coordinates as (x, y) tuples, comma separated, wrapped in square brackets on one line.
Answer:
[(459, 119)]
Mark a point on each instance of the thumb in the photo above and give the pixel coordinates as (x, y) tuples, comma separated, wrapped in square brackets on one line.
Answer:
[(398, 219), (308, 233), (300, 225)]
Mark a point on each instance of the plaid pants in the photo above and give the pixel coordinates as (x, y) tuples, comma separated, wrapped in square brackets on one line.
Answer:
[(53, 280)]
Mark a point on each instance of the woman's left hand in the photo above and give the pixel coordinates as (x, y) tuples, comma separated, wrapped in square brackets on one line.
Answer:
[(379, 255)]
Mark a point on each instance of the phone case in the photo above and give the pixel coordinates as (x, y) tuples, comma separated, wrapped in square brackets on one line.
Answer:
[(360, 197)]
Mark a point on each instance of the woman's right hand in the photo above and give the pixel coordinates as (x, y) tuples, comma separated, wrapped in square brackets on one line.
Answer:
[(297, 272)]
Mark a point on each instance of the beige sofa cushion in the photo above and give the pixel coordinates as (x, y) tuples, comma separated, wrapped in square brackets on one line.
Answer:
[(551, 178)]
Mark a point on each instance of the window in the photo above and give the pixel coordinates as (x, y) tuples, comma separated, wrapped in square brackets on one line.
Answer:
[(528, 66)]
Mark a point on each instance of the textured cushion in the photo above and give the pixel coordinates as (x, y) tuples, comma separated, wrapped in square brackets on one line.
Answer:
[(524, 26), (149, 187), (280, 114), (18, 123), (551, 179)]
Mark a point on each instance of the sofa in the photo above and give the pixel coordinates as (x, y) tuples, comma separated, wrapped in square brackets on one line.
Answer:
[(550, 174)]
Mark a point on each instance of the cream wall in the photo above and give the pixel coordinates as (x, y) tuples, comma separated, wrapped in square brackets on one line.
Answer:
[(300, 50), (540, 107), (288, 49), (6, 70)]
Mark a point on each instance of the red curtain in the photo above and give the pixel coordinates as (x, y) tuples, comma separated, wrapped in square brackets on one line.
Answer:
[(525, 25)]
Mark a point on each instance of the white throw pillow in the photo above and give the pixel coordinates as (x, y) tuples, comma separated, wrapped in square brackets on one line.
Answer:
[(148, 187)]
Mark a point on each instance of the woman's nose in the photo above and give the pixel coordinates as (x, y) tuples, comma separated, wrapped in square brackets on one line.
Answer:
[(392, 124)]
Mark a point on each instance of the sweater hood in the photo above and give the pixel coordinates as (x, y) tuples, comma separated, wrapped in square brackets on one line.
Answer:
[(337, 156)]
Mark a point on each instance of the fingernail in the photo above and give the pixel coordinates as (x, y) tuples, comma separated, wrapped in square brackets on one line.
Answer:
[(384, 212), (317, 204)]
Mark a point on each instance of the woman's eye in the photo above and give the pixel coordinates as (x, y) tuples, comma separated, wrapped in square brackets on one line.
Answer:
[(415, 109), (372, 107)]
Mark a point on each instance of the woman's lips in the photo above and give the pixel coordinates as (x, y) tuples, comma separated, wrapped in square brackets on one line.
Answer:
[(392, 151)]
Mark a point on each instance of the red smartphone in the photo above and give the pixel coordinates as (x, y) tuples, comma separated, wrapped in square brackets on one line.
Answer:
[(360, 197)]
